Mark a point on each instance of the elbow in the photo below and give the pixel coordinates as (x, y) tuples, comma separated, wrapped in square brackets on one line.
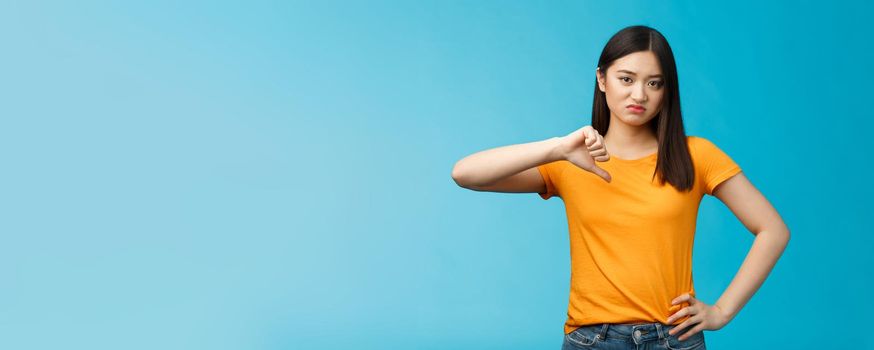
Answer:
[(777, 234), (463, 179), (458, 176), (466, 178), (782, 236), (784, 232)]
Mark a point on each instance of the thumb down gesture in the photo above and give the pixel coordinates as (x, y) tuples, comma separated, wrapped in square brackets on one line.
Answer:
[(583, 147)]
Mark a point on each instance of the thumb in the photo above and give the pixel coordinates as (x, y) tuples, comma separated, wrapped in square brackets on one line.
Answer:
[(602, 173)]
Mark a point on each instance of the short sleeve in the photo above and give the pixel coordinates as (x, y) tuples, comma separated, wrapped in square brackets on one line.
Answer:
[(714, 166), (550, 173)]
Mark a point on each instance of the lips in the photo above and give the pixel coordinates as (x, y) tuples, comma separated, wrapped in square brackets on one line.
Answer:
[(636, 108)]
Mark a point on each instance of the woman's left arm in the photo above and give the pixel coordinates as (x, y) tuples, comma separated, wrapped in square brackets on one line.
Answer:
[(772, 236)]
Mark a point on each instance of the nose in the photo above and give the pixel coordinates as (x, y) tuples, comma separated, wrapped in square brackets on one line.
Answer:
[(638, 94)]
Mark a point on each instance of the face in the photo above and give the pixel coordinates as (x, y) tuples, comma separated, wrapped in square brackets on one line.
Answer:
[(633, 79)]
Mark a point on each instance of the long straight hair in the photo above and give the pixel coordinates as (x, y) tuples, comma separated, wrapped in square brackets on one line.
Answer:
[(674, 163)]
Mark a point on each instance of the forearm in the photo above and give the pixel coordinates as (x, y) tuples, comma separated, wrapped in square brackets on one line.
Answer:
[(763, 255), (487, 167)]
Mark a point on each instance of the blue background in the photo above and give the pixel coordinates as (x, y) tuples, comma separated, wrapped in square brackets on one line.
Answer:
[(276, 175)]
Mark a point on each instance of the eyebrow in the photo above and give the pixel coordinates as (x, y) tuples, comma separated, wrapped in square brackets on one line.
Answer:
[(633, 73)]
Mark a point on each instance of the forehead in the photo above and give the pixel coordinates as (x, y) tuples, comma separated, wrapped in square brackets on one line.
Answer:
[(643, 63)]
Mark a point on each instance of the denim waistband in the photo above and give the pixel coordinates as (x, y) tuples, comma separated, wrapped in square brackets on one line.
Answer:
[(639, 332)]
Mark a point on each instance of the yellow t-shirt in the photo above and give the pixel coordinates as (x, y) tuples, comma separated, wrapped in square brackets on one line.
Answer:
[(631, 239)]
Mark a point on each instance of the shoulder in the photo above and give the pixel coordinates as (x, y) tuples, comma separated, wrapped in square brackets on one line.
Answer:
[(707, 152), (699, 145), (697, 141)]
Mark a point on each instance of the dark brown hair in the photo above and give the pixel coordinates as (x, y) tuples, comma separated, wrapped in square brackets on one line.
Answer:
[(674, 163)]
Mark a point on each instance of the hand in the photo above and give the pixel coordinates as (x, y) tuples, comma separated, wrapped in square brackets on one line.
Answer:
[(709, 317), (585, 146)]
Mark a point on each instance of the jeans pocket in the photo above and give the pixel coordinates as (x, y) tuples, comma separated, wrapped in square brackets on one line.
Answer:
[(585, 336), (696, 341)]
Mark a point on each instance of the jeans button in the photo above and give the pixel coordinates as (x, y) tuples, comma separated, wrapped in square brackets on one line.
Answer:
[(637, 333)]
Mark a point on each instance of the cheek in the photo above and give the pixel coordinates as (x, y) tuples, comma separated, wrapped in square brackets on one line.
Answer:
[(615, 97), (657, 103)]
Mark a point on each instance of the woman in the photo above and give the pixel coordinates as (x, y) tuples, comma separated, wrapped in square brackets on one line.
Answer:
[(632, 215)]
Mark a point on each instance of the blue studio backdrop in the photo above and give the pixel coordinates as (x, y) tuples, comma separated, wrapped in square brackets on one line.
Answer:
[(276, 175)]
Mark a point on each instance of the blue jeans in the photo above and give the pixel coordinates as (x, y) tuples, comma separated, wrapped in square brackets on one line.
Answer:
[(638, 336)]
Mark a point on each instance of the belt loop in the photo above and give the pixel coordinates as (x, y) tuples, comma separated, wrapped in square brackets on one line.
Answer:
[(603, 334), (660, 330)]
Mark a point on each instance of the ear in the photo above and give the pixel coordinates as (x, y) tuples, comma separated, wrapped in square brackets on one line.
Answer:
[(600, 78)]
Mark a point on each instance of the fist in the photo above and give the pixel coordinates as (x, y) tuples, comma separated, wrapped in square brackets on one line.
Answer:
[(595, 144), (583, 147)]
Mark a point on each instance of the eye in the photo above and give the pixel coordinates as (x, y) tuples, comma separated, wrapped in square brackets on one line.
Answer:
[(622, 78), (658, 83)]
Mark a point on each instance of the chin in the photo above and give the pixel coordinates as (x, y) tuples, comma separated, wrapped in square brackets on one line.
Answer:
[(636, 119)]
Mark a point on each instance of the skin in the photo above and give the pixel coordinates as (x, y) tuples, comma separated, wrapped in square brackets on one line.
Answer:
[(629, 138)]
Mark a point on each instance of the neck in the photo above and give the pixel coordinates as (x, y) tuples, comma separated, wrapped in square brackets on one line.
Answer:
[(629, 139)]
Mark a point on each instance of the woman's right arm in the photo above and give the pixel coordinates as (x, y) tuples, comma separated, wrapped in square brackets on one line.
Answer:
[(510, 168), (514, 168)]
